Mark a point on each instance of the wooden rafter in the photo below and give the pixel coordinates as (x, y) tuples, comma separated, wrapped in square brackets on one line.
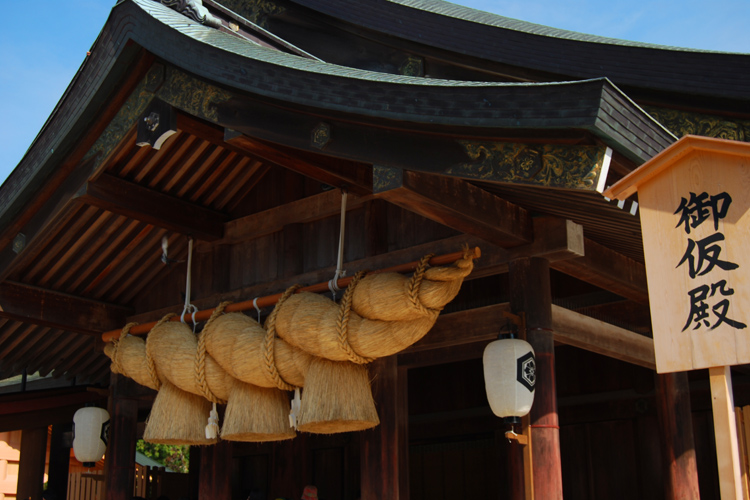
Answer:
[(308, 209), (457, 204), (152, 207), (37, 306), (335, 172), (609, 270)]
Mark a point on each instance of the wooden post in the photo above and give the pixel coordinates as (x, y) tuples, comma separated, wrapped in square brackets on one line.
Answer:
[(530, 293), (59, 461), (292, 466), (31, 466), (676, 429), (725, 429), (384, 451), (215, 472), (119, 465), (194, 471)]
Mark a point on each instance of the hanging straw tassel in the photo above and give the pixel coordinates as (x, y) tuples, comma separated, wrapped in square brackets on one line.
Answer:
[(253, 413), (256, 414), (177, 418), (338, 397)]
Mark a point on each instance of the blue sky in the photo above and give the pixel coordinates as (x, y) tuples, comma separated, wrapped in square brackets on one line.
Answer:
[(43, 42)]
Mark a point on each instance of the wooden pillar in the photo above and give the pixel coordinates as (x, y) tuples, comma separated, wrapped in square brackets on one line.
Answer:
[(384, 451), (59, 461), (676, 429), (31, 466), (119, 465), (292, 466), (530, 293), (215, 472), (194, 471)]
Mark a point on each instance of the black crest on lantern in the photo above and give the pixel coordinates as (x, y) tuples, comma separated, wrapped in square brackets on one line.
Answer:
[(526, 373), (105, 433)]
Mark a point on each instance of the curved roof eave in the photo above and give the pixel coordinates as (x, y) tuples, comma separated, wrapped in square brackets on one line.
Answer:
[(240, 65), (517, 43), (366, 95)]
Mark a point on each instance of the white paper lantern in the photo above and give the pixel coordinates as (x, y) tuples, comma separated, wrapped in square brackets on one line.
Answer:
[(90, 435), (509, 377)]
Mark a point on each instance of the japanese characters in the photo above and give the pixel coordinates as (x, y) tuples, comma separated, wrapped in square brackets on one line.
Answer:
[(703, 256)]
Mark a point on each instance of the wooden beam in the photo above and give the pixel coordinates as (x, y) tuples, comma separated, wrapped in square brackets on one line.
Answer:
[(308, 209), (31, 420), (338, 173), (463, 327), (457, 204), (597, 336), (38, 306), (152, 207), (479, 326), (47, 402), (609, 270), (558, 239)]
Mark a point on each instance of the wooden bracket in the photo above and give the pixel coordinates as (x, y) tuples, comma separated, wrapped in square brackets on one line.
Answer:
[(519, 320)]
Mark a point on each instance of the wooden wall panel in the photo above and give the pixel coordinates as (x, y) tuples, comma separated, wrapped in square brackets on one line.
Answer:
[(575, 464), (613, 460)]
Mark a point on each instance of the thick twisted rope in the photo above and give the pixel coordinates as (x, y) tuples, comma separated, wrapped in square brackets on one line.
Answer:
[(268, 343), (342, 322), (116, 365), (149, 359), (200, 356), (416, 282)]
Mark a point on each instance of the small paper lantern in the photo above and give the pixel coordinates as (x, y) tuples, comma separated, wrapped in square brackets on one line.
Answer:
[(509, 377), (90, 434)]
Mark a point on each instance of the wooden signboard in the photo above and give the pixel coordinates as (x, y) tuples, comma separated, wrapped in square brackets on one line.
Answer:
[(694, 203)]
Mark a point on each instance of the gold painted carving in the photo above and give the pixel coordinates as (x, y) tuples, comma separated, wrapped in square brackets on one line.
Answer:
[(412, 66), (682, 123), (192, 95), (320, 135), (549, 165)]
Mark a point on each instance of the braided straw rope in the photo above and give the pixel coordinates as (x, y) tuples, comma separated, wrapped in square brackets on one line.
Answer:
[(268, 343), (116, 365), (200, 356), (342, 322), (416, 282), (149, 359)]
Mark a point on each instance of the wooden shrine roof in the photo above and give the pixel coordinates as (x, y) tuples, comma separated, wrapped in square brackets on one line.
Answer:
[(83, 214)]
